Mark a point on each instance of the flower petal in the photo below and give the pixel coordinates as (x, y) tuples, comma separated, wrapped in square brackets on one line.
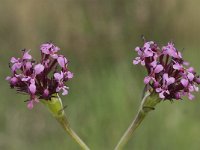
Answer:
[(190, 76), (32, 88), (69, 75), (38, 68), (147, 79), (62, 61), (184, 82), (27, 56), (158, 69)]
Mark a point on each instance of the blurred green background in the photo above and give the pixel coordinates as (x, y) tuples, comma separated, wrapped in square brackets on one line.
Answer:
[(98, 37)]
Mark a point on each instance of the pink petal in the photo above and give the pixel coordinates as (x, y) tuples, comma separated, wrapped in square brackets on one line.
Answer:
[(184, 82), (148, 53), (27, 56), (69, 75), (190, 96), (153, 64), (16, 66), (191, 70), (191, 88), (179, 55), (38, 68), (167, 91), (147, 79), (165, 76), (25, 78), (45, 48), (137, 49), (56, 49), (62, 61), (190, 76), (45, 51), (58, 89), (28, 65), (54, 56), (158, 68), (135, 62), (177, 66), (161, 95), (170, 80), (14, 60), (65, 91), (58, 76), (140, 53), (158, 90), (32, 88)]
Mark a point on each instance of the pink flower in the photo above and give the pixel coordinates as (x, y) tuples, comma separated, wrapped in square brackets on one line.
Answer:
[(145, 52), (62, 61), (171, 51), (35, 78), (168, 74), (49, 48)]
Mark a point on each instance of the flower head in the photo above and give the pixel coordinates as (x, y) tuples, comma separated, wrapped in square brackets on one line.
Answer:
[(168, 74), (43, 79)]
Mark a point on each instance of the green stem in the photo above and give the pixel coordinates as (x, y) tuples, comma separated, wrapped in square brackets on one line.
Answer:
[(56, 108), (148, 103), (64, 123)]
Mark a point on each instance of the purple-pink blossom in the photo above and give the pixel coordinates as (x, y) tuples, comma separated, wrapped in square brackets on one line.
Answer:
[(40, 79), (168, 74)]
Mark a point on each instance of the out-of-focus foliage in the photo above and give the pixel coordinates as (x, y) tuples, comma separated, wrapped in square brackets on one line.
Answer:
[(98, 36)]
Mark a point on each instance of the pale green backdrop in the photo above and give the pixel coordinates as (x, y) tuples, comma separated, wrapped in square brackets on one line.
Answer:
[(98, 37)]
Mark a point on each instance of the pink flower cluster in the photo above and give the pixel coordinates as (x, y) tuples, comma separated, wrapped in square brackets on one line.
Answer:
[(168, 74), (40, 80)]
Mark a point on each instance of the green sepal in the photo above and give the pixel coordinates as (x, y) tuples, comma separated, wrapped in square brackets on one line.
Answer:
[(150, 100), (54, 105)]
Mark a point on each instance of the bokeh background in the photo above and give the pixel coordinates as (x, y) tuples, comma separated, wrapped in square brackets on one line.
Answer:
[(98, 37)]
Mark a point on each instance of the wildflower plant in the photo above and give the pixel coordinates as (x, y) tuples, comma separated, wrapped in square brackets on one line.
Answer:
[(43, 81), (169, 78)]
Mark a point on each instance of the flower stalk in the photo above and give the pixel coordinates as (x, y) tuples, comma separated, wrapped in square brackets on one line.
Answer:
[(56, 108), (148, 103), (42, 81)]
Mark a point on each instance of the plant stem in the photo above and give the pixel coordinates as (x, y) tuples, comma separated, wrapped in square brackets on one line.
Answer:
[(148, 103), (65, 124), (56, 108), (129, 132)]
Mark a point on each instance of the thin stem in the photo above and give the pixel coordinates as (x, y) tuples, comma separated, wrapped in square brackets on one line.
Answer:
[(64, 123), (129, 132), (148, 103), (56, 108)]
